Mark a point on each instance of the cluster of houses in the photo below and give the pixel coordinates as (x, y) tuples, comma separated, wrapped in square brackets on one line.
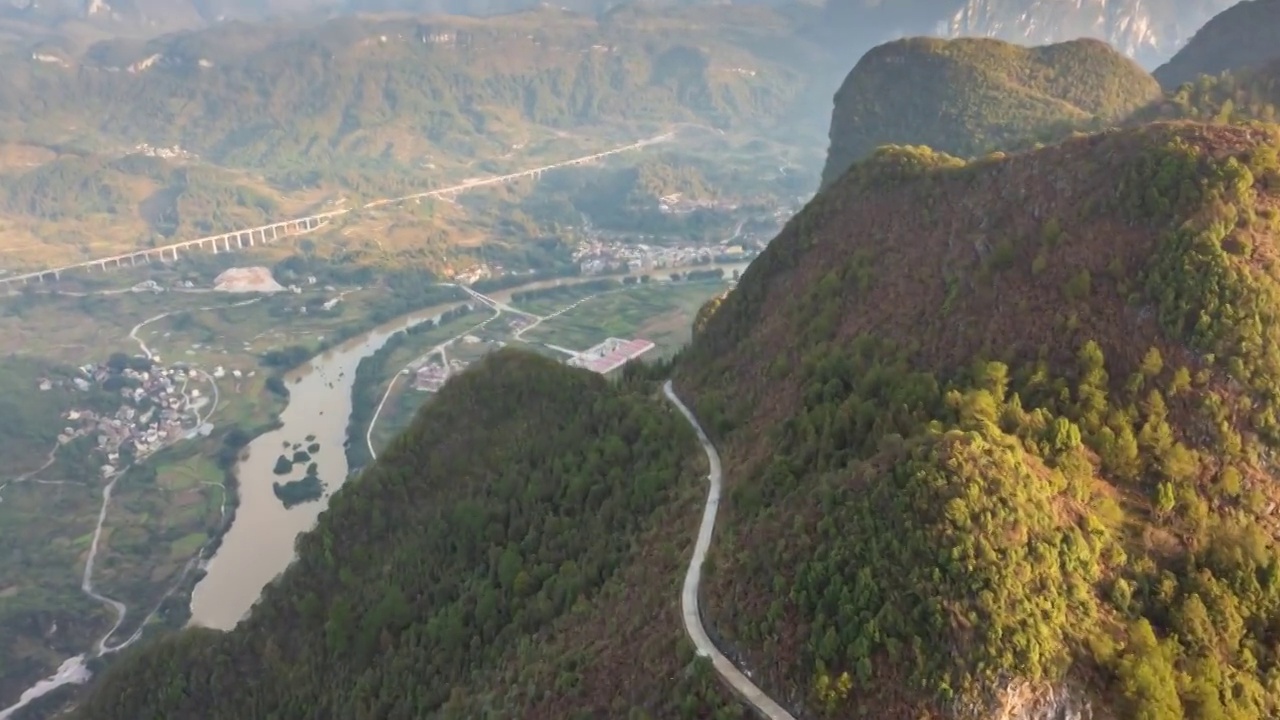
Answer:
[(597, 257), (432, 374), (159, 405)]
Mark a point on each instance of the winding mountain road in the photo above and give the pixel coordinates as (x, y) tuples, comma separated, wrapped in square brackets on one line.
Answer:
[(735, 678)]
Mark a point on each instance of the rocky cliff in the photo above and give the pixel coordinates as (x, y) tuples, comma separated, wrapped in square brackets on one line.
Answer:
[(1150, 31)]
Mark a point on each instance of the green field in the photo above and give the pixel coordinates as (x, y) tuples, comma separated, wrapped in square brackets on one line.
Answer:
[(404, 401), (398, 413), (553, 299), (660, 312), (163, 512)]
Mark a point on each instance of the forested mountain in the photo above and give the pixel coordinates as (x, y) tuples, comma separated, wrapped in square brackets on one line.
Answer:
[(1242, 37), (1237, 96), (971, 96), (995, 434), (999, 434), (516, 553), (1149, 31), (293, 96)]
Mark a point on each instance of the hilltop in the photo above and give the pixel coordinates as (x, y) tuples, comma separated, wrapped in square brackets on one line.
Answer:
[(1149, 31), (999, 434), (970, 96), (1241, 37), (995, 434), (516, 553)]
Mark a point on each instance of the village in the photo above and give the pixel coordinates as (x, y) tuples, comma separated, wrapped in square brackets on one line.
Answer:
[(158, 405)]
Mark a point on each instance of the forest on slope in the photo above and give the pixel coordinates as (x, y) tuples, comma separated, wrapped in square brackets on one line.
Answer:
[(517, 553), (973, 95), (1243, 95), (1001, 433), (291, 97)]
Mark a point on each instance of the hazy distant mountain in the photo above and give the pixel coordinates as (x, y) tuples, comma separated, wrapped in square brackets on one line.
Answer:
[(1150, 31), (1246, 36), (1147, 30)]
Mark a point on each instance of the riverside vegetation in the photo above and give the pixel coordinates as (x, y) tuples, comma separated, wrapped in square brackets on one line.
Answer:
[(505, 526), (966, 467), (1042, 388)]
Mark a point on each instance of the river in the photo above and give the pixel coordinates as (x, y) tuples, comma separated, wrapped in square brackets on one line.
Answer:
[(259, 545)]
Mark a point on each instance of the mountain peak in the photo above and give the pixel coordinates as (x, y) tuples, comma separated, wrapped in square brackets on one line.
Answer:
[(972, 95)]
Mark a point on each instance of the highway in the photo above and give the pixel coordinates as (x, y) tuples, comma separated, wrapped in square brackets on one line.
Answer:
[(764, 705), (263, 234)]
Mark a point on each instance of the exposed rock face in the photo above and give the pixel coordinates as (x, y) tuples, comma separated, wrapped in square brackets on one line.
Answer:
[(247, 279), (1245, 36), (1147, 30), (1150, 31), (1024, 701)]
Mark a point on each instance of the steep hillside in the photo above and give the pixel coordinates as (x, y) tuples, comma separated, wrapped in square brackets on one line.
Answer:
[(291, 96), (1242, 37), (1238, 96), (970, 96), (1000, 436), (517, 553)]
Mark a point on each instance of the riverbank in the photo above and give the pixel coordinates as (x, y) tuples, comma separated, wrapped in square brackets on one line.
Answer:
[(259, 544)]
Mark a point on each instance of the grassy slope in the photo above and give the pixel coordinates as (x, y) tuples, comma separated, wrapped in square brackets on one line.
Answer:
[(936, 527), (969, 96)]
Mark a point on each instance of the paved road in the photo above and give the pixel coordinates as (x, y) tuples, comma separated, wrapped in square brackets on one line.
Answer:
[(368, 435), (741, 684)]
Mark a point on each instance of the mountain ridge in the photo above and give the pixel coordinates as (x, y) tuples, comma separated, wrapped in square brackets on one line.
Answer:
[(923, 336), (394, 88), (972, 96), (993, 438), (1149, 32), (1241, 37)]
